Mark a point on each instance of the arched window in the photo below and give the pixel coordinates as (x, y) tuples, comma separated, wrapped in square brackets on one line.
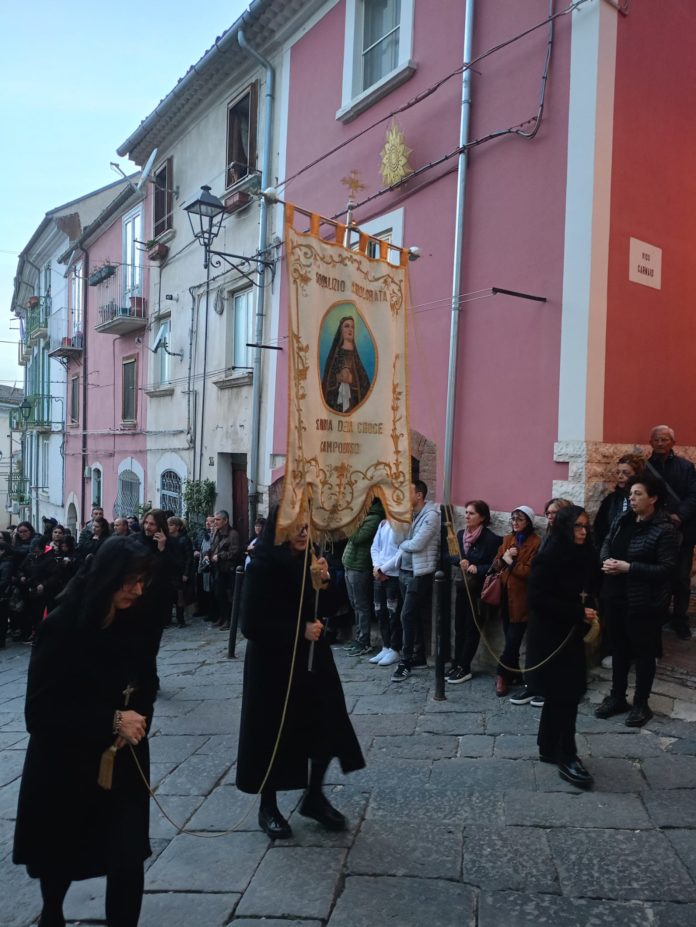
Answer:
[(96, 486), (170, 492), (128, 495)]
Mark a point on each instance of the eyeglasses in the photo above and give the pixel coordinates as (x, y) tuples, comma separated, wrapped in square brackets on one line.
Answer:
[(581, 527), (518, 518)]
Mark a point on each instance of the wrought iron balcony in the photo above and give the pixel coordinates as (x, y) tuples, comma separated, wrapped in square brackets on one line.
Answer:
[(119, 311), (37, 317), (18, 487), (39, 418), (62, 342)]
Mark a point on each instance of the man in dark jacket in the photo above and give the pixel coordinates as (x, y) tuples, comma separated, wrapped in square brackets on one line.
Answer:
[(679, 477), (358, 565), (225, 556)]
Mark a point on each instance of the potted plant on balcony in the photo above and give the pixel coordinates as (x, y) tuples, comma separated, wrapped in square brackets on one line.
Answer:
[(33, 302), (137, 306), (156, 250)]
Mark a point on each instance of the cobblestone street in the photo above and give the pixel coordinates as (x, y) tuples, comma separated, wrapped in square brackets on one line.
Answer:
[(454, 821)]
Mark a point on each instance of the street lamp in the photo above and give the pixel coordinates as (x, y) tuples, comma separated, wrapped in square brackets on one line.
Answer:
[(25, 410), (205, 215)]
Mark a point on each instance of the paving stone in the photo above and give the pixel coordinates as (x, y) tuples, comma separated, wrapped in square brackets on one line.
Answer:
[(195, 776), (623, 865), (20, 898), (211, 718), (11, 765), (670, 772), (220, 745), (210, 692), (466, 773), (178, 909), (514, 746), (171, 748), (579, 809), (683, 745), (85, 900), (520, 719), (684, 843), (476, 745), (502, 909), (402, 724), (309, 833), (272, 922), (509, 858), (463, 807), (223, 864), (386, 772), (8, 801), (418, 746), (674, 915), (294, 882), (383, 849), (405, 703), (610, 775), (13, 739), (367, 902), (459, 723), (226, 807), (672, 807), (178, 807), (629, 744)]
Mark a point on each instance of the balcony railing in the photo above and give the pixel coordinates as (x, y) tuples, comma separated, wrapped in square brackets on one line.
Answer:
[(119, 312), (61, 341), (39, 418), (37, 317), (18, 487)]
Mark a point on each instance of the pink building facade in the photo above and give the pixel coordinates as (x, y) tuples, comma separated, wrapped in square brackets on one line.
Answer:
[(552, 203), (103, 348)]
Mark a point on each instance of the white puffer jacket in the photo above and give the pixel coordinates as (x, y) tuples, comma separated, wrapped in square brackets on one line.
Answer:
[(423, 540)]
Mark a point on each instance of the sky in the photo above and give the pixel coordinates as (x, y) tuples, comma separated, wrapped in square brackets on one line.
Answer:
[(76, 79)]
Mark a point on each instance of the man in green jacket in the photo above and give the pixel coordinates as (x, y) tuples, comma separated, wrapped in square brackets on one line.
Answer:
[(358, 566)]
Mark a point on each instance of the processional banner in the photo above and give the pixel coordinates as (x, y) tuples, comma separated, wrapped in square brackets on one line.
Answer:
[(348, 436)]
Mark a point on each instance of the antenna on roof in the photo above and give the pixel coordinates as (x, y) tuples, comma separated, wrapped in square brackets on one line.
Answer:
[(147, 170)]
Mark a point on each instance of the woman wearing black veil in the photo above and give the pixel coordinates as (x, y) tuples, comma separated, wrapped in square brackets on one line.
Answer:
[(316, 725), (564, 571), (90, 693), (345, 382)]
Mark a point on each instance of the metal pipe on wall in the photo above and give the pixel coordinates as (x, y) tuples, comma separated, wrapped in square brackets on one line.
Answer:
[(457, 259), (253, 471)]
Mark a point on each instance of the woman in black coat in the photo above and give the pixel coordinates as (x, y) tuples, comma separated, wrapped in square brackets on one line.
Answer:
[(90, 687), (562, 571), (639, 556), (279, 623), (477, 549)]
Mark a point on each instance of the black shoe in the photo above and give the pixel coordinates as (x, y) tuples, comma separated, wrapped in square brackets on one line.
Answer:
[(318, 807), (575, 773), (272, 822), (638, 716), (547, 758), (419, 661), (522, 696), (682, 630), (402, 671), (612, 705), (457, 675)]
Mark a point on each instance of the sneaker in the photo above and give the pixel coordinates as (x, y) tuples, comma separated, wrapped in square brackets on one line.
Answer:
[(521, 697), (612, 706), (459, 675), (351, 645), (537, 701), (418, 661), (390, 657), (357, 649), (638, 716), (378, 656), (400, 673), (607, 663)]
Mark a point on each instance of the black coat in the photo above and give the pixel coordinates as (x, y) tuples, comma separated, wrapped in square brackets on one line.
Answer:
[(560, 572), (613, 505), (652, 554), (66, 823), (481, 554), (679, 474), (317, 723)]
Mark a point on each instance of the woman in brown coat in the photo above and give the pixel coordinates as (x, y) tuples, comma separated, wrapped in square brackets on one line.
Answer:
[(514, 560)]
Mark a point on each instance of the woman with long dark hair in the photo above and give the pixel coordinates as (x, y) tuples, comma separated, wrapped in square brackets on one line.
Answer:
[(564, 569), (90, 696), (639, 556), (100, 532), (278, 620), (154, 536)]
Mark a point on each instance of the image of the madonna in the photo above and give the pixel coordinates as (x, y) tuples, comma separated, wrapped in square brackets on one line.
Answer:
[(344, 382)]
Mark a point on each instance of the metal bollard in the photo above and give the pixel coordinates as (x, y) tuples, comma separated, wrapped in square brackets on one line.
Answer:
[(442, 633), (236, 608)]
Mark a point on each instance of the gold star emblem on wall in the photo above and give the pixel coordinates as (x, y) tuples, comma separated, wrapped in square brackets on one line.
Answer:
[(394, 156)]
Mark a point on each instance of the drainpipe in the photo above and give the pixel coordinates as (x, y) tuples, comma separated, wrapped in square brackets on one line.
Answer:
[(253, 473), (85, 391), (457, 259)]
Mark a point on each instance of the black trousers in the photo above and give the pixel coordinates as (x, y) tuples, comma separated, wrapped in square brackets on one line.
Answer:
[(681, 584), (387, 602), (223, 587), (556, 738), (466, 634), (514, 633), (635, 640)]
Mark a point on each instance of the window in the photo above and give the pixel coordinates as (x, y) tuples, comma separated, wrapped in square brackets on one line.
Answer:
[(128, 405), (76, 299), (97, 483), (162, 371), (44, 464), (127, 495), (163, 200), (74, 400), (170, 492), (240, 331), (132, 255), (241, 135), (372, 250), (376, 53)]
